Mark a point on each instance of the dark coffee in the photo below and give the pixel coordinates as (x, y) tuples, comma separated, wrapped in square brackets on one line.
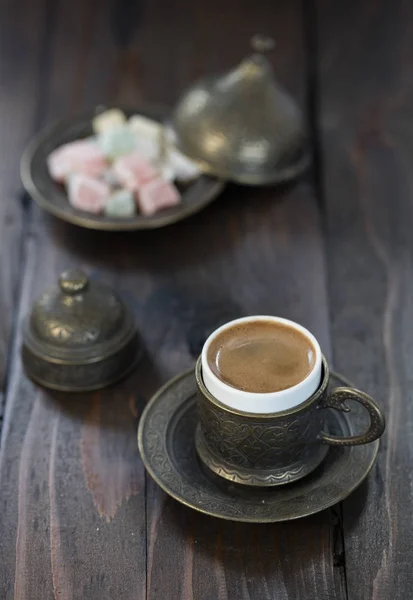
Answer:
[(261, 356)]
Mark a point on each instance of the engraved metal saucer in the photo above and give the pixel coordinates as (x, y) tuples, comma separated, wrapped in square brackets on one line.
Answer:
[(52, 197), (166, 440)]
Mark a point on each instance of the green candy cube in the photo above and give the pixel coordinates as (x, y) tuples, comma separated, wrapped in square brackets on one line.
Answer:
[(121, 204), (117, 141)]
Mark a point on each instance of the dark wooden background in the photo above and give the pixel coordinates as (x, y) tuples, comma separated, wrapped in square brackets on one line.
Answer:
[(79, 517)]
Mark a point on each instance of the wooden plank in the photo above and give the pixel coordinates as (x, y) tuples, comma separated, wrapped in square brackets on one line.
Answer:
[(72, 500), (23, 45), (191, 556), (264, 255), (73, 505), (366, 97)]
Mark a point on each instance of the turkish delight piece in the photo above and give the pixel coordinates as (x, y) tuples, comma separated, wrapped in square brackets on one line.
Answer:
[(157, 195), (121, 204), (185, 169), (148, 148), (170, 135), (165, 171), (117, 141), (148, 136), (88, 194), (81, 156), (110, 177), (133, 171), (107, 120), (146, 128)]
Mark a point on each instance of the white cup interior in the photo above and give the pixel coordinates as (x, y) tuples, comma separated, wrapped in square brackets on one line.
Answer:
[(258, 402)]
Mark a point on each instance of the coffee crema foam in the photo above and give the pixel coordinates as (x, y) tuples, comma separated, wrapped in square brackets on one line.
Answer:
[(261, 356)]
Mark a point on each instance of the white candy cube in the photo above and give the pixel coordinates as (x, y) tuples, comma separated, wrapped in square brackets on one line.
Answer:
[(185, 169), (146, 128), (107, 120), (121, 204)]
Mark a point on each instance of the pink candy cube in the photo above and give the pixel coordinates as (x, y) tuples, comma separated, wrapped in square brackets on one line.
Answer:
[(88, 194), (156, 195), (133, 171), (82, 156)]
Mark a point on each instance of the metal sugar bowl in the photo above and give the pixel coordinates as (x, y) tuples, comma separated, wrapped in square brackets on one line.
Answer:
[(79, 336), (243, 126)]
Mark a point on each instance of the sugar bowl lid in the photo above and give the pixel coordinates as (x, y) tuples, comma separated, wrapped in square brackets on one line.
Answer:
[(79, 335), (243, 126)]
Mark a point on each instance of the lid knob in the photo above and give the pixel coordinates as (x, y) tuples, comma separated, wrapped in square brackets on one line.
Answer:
[(262, 43), (73, 281)]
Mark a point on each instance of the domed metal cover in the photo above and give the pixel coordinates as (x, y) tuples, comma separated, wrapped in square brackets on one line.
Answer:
[(78, 336), (243, 126)]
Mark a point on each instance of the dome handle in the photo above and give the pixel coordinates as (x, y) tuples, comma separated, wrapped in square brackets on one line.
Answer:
[(73, 281), (262, 43)]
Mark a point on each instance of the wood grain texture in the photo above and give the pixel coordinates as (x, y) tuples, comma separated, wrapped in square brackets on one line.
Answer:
[(22, 48), (72, 499), (366, 107), (264, 255), (78, 519), (211, 559)]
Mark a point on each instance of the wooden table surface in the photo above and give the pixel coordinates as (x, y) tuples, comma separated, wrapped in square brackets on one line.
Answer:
[(80, 519)]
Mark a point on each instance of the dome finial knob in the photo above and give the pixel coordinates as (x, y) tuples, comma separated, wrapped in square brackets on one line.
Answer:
[(73, 281), (262, 43)]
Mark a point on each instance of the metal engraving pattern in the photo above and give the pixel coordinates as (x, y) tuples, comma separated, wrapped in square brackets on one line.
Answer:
[(167, 445), (338, 400), (77, 314), (274, 448), (258, 477), (79, 335), (83, 377), (258, 451)]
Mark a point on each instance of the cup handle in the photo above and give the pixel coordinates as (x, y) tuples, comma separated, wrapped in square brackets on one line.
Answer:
[(338, 400)]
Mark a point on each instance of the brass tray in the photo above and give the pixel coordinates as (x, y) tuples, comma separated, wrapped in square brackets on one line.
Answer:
[(52, 197), (167, 446)]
